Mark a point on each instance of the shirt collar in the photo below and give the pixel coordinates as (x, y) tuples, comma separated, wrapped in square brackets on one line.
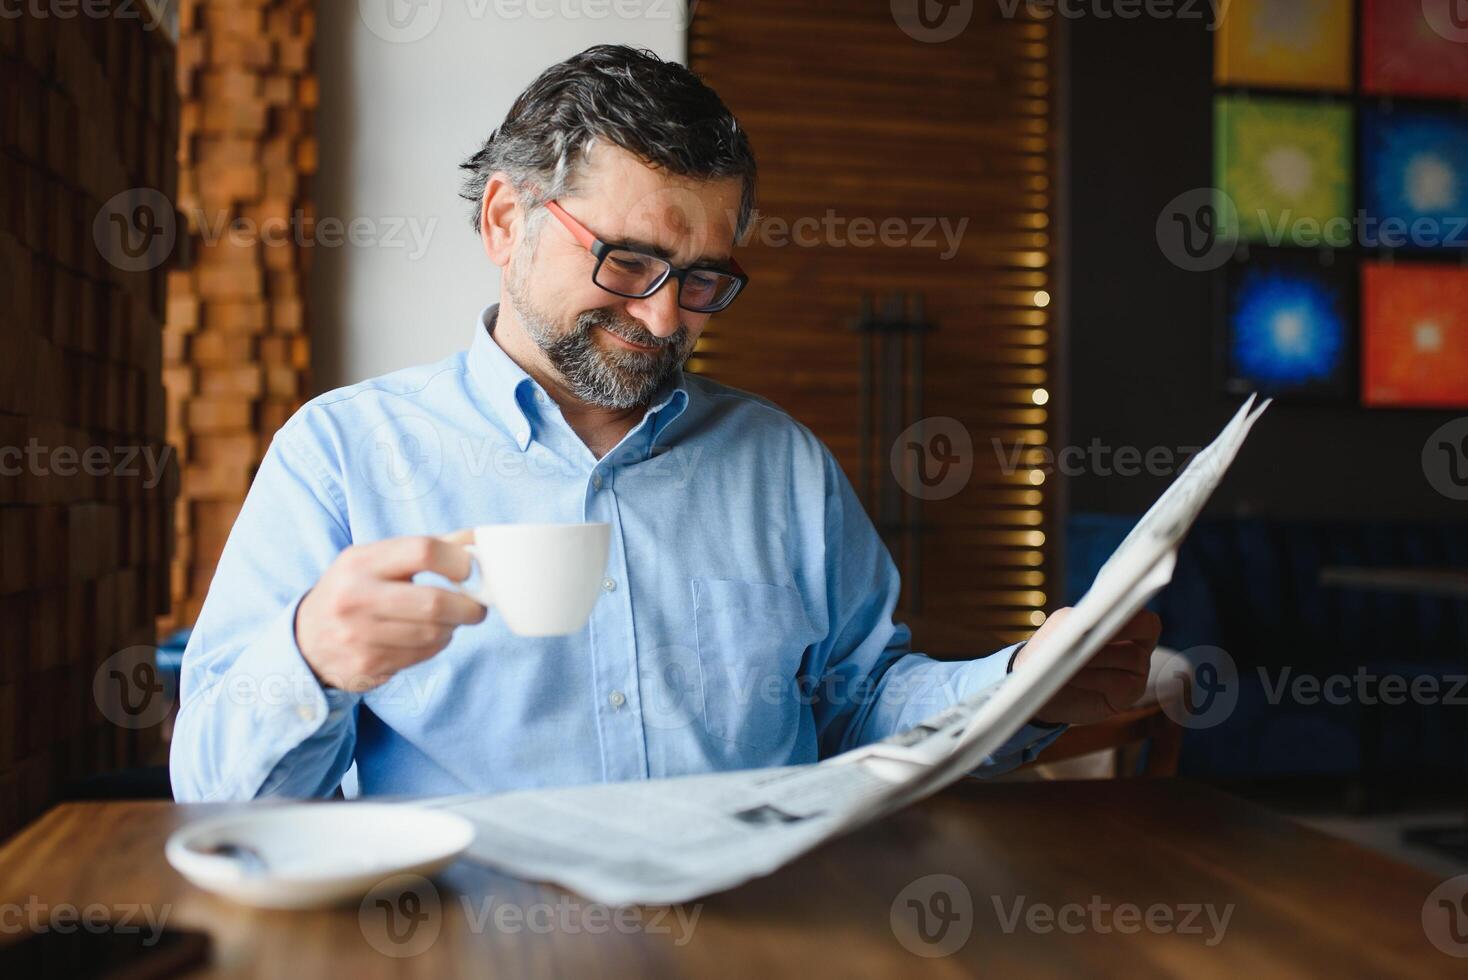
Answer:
[(506, 383), (500, 378)]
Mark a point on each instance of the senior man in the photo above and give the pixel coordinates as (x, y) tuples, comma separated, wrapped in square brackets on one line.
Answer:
[(746, 613)]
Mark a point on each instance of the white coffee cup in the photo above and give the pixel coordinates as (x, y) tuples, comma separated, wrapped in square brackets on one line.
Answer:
[(543, 578)]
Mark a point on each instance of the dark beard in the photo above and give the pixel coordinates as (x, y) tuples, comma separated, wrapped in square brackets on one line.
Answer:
[(610, 378)]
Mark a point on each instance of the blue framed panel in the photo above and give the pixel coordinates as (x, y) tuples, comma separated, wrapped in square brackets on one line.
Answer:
[(1289, 325)]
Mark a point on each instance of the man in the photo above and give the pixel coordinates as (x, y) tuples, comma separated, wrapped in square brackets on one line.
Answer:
[(746, 617)]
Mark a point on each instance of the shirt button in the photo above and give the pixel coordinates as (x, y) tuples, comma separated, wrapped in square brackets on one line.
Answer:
[(306, 712), (596, 480), (617, 699), (610, 584)]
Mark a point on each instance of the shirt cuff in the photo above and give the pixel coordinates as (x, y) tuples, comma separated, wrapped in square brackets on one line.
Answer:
[(985, 672), (1044, 726), (1029, 741), (1014, 655), (276, 685), (1032, 739)]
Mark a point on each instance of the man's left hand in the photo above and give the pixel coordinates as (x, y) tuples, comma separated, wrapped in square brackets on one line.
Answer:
[(1112, 682)]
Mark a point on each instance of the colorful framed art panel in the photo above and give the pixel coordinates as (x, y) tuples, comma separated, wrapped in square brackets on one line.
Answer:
[(1414, 180), (1414, 335), (1415, 48), (1290, 326), (1285, 164), (1286, 44), (1341, 168)]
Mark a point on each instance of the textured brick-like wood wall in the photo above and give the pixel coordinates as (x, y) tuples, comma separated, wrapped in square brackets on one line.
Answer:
[(234, 345), (88, 111)]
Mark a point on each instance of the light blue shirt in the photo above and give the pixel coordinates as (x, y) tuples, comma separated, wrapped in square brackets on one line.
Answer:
[(745, 618)]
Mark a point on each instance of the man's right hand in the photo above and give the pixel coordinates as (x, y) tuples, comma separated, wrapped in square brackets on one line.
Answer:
[(364, 620)]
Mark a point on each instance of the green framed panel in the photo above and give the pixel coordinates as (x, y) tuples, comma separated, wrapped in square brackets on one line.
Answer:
[(1287, 168)]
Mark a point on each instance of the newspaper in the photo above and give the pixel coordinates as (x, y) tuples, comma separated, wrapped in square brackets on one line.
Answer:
[(673, 840)]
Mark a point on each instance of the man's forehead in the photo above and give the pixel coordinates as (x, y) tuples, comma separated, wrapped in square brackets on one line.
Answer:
[(633, 200)]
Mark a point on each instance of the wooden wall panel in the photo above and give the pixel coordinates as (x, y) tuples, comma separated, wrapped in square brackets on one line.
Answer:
[(852, 117), (87, 134), (236, 348)]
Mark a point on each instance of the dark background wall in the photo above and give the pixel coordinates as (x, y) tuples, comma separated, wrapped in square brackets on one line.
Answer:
[(1141, 330)]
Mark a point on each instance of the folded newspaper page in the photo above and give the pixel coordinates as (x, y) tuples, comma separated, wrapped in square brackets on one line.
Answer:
[(674, 840)]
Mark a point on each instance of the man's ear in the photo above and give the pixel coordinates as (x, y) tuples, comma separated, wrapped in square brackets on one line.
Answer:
[(501, 221)]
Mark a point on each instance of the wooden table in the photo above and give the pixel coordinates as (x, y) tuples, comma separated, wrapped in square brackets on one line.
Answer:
[(1302, 903)]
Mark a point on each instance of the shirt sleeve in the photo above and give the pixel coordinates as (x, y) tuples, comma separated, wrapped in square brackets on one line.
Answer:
[(253, 720), (871, 685)]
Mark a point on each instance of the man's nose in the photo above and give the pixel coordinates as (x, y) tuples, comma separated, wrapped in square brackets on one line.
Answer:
[(659, 311)]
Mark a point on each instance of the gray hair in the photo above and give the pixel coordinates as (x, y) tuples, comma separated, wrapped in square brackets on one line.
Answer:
[(657, 110)]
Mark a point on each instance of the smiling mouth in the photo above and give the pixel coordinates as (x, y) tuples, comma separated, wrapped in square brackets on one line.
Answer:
[(627, 343)]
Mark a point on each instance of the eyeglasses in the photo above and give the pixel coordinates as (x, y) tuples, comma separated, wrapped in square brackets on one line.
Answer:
[(635, 274)]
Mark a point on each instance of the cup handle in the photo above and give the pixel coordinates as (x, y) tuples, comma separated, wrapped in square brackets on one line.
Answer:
[(482, 596)]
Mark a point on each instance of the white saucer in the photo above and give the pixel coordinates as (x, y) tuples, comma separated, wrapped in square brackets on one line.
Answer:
[(301, 856)]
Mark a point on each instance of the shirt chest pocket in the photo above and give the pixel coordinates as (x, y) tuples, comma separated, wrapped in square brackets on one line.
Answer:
[(751, 638)]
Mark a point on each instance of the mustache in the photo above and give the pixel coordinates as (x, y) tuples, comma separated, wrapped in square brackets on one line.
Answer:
[(631, 330)]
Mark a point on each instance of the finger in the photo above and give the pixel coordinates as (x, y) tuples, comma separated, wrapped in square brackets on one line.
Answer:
[(1119, 688), (402, 558), (402, 658), (425, 604), (1145, 627), (385, 664), (408, 634), (1123, 656), (460, 538), (1075, 706)]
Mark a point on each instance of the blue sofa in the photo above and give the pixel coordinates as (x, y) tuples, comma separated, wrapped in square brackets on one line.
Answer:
[(1253, 587)]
